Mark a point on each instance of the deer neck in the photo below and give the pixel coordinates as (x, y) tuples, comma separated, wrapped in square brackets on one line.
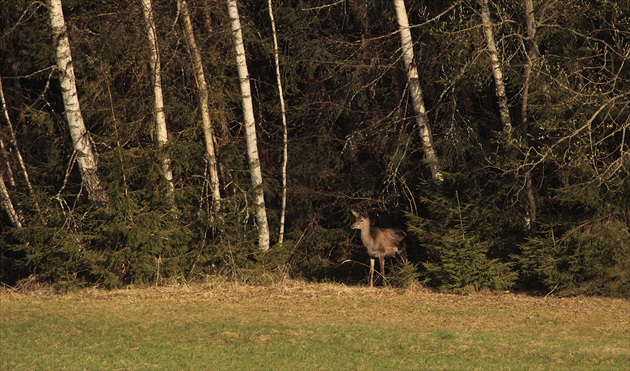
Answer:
[(368, 236)]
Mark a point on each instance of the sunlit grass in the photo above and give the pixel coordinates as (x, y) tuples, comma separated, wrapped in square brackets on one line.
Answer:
[(296, 325)]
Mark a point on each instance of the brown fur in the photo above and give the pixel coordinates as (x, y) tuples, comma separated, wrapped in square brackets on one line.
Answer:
[(379, 242)]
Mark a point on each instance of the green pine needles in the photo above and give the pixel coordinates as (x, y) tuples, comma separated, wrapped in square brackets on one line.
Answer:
[(460, 255)]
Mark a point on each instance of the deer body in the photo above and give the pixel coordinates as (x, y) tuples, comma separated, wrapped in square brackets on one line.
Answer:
[(379, 242)]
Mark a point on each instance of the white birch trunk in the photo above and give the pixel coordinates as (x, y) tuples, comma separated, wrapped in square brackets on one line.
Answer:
[(417, 98), (161, 132), (250, 127), (285, 137), (18, 154), (7, 205), (206, 122), (531, 28), (80, 138), (5, 154), (497, 72)]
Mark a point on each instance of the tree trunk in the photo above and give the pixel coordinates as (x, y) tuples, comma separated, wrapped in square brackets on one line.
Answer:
[(531, 29), (250, 127), (496, 68), (7, 205), (206, 122), (531, 59), (5, 154), (80, 137), (18, 154), (160, 118), (422, 120), (285, 140)]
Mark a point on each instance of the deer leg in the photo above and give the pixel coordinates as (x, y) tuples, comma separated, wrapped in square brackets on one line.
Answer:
[(371, 271), (381, 261)]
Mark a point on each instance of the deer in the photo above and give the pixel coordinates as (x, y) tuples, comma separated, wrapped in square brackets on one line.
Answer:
[(379, 242)]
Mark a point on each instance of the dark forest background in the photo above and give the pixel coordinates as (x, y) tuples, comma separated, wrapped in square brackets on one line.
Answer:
[(353, 144)]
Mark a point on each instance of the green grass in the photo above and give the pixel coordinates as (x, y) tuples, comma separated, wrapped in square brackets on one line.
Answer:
[(300, 326)]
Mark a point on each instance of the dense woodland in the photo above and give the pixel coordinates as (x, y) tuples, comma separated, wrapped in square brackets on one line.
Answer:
[(498, 140)]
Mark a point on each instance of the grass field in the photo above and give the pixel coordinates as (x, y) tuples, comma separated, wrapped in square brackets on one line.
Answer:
[(304, 326)]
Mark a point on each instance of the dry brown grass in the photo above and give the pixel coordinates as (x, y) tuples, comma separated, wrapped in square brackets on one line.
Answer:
[(487, 329), (329, 301)]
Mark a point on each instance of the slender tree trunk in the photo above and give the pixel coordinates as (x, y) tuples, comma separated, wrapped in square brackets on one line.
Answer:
[(206, 122), (18, 154), (531, 29), (285, 140), (81, 141), (531, 59), (250, 127), (5, 154), (359, 10), (160, 118), (417, 98), (221, 126), (7, 205), (496, 68)]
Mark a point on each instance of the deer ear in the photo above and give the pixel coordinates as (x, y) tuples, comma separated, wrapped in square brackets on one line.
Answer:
[(355, 213)]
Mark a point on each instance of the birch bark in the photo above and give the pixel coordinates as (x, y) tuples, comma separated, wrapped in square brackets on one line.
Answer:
[(3, 149), (417, 98), (5, 154), (206, 122), (18, 154), (285, 140), (7, 205), (160, 118), (497, 72), (81, 141), (250, 127)]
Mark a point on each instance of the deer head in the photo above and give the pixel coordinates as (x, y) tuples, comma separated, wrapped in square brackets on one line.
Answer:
[(362, 222)]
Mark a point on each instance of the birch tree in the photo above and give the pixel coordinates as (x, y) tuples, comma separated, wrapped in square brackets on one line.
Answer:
[(5, 154), (7, 205), (160, 118), (497, 72), (285, 141), (81, 141), (202, 89), (18, 154), (250, 127), (532, 54), (3, 149), (417, 98)]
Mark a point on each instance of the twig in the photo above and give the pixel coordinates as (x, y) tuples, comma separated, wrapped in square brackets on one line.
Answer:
[(552, 290)]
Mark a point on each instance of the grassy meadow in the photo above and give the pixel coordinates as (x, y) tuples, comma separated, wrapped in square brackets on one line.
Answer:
[(306, 326)]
